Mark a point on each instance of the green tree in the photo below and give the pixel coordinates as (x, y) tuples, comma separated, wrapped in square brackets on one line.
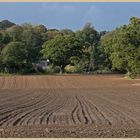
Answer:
[(4, 37), (89, 37), (51, 34), (106, 42), (123, 47), (15, 33), (33, 42), (14, 56), (41, 30), (67, 32), (60, 49)]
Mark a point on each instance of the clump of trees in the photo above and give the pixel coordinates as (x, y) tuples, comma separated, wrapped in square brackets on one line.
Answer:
[(85, 50), (122, 48)]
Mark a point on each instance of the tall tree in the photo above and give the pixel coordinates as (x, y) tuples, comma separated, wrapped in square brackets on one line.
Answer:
[(123, 47), (14, 56), (67, 32), (33, 42), (89, 38), (15, 33), (60, 49)]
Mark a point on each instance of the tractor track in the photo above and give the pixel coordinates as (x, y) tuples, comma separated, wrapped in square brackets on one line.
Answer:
[(75, 102)]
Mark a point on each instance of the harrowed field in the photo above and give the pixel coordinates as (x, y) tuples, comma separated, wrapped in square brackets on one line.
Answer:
[(69, 106)]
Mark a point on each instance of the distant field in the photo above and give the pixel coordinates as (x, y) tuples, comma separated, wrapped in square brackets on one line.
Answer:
[(69, 106)]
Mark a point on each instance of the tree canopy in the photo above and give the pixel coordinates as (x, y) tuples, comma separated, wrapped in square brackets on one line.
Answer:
[(60, 49), (123, 47), (85, 50), (14, 56)]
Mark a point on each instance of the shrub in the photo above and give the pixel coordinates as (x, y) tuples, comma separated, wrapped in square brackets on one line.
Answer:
[(28, 69), (52, 69), (71, 69)]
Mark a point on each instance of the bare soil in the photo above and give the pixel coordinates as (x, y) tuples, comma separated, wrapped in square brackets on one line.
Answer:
[(69, 106)]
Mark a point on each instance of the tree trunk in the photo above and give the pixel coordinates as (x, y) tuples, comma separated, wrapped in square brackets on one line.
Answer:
[(62, 69)]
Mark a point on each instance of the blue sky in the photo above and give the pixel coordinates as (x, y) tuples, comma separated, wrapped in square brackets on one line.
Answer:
[(103, 16)]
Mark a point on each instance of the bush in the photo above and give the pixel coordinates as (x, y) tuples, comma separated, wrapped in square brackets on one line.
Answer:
[(52, 69), (28, 70), (71, 69), (103, 70), (131, 75)]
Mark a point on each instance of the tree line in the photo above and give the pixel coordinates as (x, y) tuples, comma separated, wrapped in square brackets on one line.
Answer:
[(82, 51)]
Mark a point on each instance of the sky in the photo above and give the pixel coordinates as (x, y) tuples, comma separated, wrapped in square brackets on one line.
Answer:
[(103, 16)]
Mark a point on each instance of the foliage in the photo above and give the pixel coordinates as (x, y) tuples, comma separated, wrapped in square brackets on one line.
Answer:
[(71, 69), (51, 69), (15, 33), (67, 32), (123, 47), (60, 49), (51, 34), (14, 56), (89, 38), (83, 51), (33, 43)]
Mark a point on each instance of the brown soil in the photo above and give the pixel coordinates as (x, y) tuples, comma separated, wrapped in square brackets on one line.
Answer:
[(69, 106)]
